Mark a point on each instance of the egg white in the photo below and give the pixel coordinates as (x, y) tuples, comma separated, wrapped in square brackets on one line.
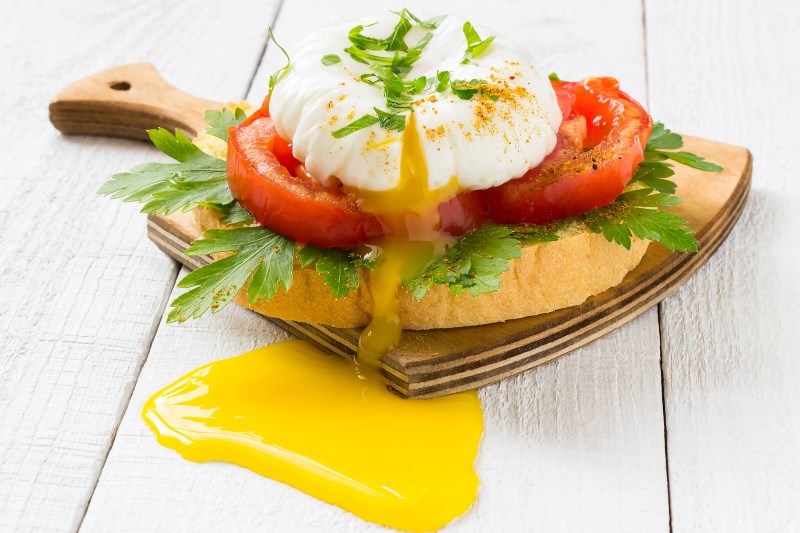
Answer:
[(477, 142)]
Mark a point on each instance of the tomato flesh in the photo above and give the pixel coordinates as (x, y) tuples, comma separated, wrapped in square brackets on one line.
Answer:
[(294, 207), (277, 190), (598, 147)]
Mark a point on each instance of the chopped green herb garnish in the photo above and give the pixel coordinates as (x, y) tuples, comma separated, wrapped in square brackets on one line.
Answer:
[(443, 81), (466, 89), (396, 41), (391, 121), (281, 72), (389, 70), (358, 124), (330, 59), (430, 24), (475, 46), (553, 77)]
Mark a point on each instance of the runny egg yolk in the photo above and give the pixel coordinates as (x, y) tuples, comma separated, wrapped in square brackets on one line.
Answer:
[(310, 420), (411, 210)]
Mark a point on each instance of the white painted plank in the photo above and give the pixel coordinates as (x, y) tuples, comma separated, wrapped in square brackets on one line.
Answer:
[(574, 445), (82, 286), (731, 345)]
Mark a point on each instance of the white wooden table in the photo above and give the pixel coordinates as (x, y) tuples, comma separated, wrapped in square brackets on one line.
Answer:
[(687, 419)]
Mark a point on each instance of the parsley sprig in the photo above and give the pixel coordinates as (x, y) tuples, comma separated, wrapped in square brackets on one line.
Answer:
[(196, 179), (655, 170), (474, 264), (260, 255), (475, 45)]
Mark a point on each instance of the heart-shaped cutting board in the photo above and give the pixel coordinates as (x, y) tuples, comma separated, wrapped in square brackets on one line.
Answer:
[(125, 101)]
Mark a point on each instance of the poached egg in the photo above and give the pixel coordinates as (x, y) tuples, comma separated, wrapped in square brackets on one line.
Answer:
[(485, 141)]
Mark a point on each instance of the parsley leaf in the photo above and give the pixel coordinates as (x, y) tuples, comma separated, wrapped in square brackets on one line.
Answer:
[(186, 195), (258, 252), (694, 161), (466, 89), (663, 139), (430, 24), (220, 121), (330, 59), (638, 212), (391, 121), (337, 270), (236, 214), (473, 264), (475, 46), (196, 179), (358, 124), (443, 81), (654, 170), (364, 42), (654, 175), (396, 41)]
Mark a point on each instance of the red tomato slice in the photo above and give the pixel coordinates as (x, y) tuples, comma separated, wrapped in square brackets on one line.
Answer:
[(292, 206), (278, 191), (463, 213), (598, 147)]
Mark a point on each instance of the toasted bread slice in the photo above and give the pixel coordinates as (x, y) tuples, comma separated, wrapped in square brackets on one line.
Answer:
[(547, 277)]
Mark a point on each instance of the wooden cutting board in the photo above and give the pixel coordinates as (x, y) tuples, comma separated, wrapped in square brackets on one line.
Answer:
[(125, 101)]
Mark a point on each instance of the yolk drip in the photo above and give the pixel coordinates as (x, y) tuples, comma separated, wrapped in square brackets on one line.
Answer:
[(411, 212), (299, 416)]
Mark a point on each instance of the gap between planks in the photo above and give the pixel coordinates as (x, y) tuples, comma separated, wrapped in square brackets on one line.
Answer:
[(659, 307), (162, 308)]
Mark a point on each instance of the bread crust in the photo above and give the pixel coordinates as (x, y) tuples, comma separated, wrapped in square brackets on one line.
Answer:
[(547, 277)]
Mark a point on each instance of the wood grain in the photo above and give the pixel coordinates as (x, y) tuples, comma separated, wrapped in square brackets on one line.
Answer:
[(125, 102), (576, 445), (730, 337), (83, 288)]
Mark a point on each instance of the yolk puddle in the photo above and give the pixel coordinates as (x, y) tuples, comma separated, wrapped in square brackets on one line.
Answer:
[(308, 419)]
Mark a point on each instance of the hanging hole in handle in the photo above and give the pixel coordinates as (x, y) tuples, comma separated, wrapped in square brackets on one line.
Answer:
[(120, 85)]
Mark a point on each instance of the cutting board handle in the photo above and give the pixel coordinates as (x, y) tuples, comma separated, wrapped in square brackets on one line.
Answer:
[(125, 102)]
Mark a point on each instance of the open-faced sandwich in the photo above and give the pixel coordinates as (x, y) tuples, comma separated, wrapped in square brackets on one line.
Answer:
[(408, 173), (402, 173)]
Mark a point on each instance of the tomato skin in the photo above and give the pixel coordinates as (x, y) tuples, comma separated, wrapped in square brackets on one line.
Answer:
[(463, 213), (294, 207), (573, 180)]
